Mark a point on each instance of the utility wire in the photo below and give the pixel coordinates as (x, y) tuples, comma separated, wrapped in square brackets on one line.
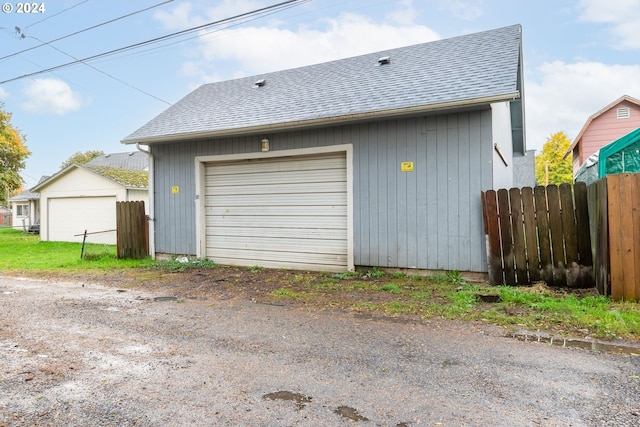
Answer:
[(208, 33), (155, 40), (56, 14), (105, 73), (82, 31)]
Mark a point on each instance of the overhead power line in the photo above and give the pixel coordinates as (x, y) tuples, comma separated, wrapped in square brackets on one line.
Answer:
[(109, 75), (158, 39), (82, 31), (56, 14)]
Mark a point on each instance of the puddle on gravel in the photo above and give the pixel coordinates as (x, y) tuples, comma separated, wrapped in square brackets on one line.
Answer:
[(297, 398), (350, 413), (161, 299), (573, 343)]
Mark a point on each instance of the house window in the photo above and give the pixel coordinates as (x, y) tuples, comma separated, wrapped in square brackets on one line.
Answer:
[(22, 210), (624, 113)]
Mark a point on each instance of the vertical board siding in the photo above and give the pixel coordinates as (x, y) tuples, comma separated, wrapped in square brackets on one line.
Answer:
[(430, 218)]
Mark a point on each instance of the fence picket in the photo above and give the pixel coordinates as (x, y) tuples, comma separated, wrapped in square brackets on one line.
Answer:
[(544, 241), (531, 240), (569, 234), (517, 228), (506, 240), (494, 254)]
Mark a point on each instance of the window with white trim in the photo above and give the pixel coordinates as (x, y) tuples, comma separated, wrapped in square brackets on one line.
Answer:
[(624, 113), (22, 210)]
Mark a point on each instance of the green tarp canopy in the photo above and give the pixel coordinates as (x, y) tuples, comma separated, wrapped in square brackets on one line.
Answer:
[(621, 156)]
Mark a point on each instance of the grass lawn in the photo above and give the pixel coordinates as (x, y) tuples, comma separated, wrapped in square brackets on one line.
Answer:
[(447, 295)]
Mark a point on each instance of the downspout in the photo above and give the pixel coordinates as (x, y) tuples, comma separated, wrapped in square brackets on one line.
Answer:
[(152, 234)]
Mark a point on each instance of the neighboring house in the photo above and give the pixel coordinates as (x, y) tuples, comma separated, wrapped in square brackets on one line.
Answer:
[(83, 198), (610, 123), (376, 160), (524, 169), (26, 209)]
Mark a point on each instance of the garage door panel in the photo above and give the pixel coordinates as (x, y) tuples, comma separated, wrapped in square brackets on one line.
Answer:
[(291, 260), (288, 188), (277, 210), (276, 233), (277, 178), (302, 222), (280, 244), (245, 167), (288, 212), (68, 217), (322, 199)]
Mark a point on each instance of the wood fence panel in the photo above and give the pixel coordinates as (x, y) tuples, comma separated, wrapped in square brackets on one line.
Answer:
[(132, 230), (517, 229), (506, 237), (583, 232), (494, 252), (622, 190), (615, 240), (635, 199), (569, 234), (530, 234)]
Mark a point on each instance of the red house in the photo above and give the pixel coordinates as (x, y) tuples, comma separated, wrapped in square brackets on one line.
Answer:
[(613, 121)]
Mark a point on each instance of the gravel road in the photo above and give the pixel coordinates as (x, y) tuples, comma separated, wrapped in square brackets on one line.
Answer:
[(80, 354)]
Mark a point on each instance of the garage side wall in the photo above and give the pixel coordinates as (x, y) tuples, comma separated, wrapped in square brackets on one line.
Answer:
[(429, 217)]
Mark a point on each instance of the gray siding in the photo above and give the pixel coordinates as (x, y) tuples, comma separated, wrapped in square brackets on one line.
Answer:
[(429, 218)]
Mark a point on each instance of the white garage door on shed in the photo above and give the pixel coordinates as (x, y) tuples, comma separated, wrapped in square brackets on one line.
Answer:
[(69, 216), (279, 212)]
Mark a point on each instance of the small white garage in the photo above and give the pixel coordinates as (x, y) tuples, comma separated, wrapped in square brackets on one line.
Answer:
[(290, 209), (83, 198)]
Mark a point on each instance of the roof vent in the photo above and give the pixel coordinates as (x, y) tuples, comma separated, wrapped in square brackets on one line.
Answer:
[(384, 60), (623, 113), (260, 83)]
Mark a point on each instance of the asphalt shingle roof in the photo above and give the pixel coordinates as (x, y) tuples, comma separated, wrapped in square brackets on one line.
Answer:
[(135, 160), (469, 67)]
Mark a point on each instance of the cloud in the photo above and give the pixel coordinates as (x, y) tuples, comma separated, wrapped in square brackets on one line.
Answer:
[(51, 96), (256, 50), (622, 15), (3, 93), (566, 94)]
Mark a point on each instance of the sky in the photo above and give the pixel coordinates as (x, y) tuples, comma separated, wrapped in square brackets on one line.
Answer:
[(72, 87)]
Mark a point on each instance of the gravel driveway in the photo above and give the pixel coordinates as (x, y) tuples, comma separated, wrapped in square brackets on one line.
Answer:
[(84, 354)]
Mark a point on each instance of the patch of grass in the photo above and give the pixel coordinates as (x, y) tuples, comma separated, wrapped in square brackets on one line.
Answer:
[(180, 264), (255, 268), (375, 272), (392, 288), (346, 275), (21, 252)]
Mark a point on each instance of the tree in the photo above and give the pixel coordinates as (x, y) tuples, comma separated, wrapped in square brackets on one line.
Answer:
[(81, 158), (550, 167), (13, 154)]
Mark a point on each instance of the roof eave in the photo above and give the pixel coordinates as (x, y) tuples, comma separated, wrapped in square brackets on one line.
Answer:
[(333, 120)]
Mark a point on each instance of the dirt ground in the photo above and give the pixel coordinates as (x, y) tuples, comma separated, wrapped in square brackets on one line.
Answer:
[(216, 347)]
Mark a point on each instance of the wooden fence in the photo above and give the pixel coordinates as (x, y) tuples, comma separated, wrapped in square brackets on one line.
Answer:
[(615, 209), (538, 234), (132, 230)]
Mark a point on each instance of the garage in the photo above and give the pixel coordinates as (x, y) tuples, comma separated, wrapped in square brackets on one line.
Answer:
[(69, 216), (279, 211)]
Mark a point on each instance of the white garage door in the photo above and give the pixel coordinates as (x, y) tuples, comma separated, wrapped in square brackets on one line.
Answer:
[(286, 212), (74, 215)]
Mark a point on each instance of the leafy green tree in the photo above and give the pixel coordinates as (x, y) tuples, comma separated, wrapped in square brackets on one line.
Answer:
[(81, 158), (550, 167), (13, 154)]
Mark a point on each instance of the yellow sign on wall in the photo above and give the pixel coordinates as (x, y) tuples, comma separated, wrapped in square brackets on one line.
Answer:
[(175, 189), (406, 166)]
